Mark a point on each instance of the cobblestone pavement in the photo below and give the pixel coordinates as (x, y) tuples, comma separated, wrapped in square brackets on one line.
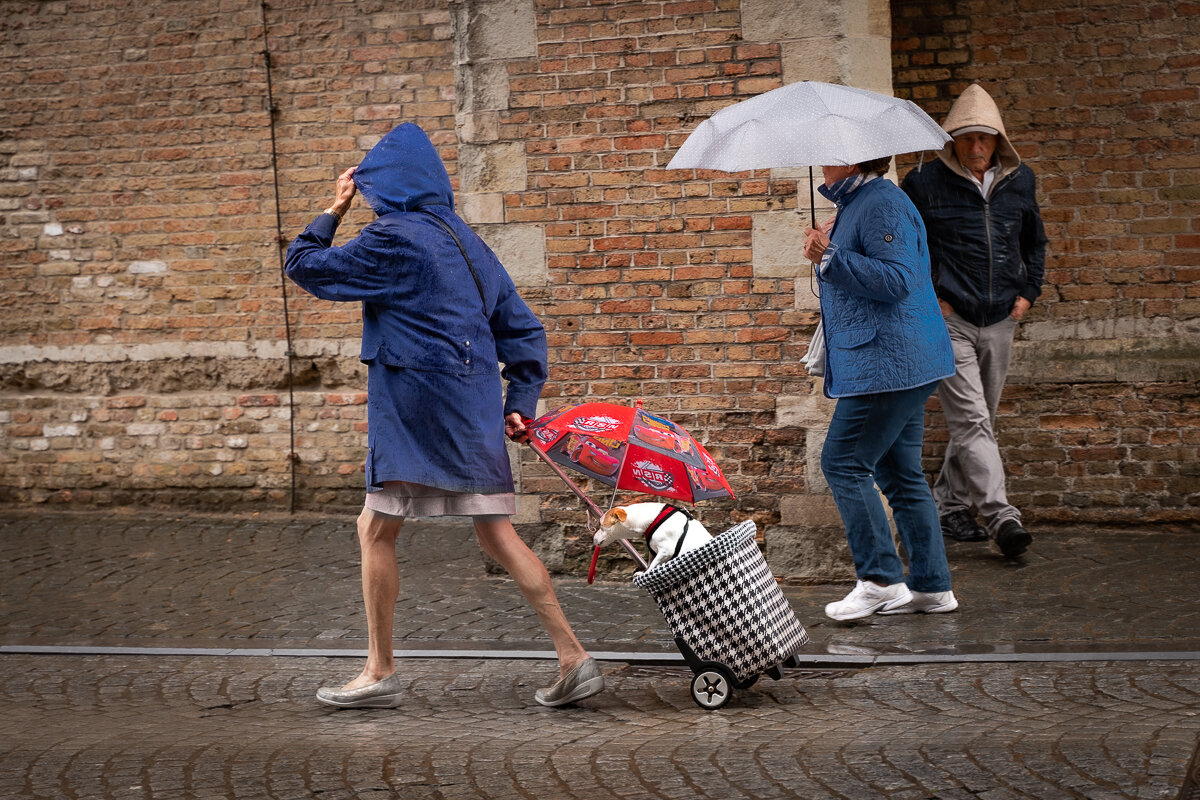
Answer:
[(1117, 716), (162, 580), (117, 727)]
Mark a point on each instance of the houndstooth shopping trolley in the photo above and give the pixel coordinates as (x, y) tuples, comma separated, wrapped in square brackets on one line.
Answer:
[(731, 621)]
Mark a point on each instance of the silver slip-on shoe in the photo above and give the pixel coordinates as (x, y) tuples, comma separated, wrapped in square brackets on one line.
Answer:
[(583, 681), (381, 694)]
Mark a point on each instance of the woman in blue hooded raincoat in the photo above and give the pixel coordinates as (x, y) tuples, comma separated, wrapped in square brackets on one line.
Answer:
[(439, 313)]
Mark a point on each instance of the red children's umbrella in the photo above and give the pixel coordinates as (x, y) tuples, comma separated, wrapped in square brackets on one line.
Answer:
[(630, 449), (627, 449)]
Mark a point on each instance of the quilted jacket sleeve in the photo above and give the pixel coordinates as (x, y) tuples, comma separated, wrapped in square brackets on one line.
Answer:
[(879, 255)]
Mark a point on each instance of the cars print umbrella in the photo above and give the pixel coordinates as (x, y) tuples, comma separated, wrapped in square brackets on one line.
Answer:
[(629, 449)]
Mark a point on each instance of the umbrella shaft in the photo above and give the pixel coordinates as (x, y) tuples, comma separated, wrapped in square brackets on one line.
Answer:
[(641, 562), (812, 198), (591, 506)]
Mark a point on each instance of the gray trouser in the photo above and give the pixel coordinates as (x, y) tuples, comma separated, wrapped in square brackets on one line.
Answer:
[(972, 475)]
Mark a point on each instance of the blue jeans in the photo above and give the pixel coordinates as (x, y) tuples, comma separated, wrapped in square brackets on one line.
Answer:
[(876, 439)]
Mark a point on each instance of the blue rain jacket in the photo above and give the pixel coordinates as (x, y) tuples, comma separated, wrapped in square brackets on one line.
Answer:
[(883, 329), (435, 401)]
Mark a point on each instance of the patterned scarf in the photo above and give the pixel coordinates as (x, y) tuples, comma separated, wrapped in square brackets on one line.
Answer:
[(837, 193)]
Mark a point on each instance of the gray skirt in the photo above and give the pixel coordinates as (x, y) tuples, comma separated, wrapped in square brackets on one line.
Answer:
[(404, 499)]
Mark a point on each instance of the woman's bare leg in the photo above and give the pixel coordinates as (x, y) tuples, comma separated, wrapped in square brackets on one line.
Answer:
[(500, 541), (381, 586)]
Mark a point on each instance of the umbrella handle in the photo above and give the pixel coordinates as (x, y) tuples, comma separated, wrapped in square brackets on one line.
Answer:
[(593, 509), (592, 568), (522, 436)]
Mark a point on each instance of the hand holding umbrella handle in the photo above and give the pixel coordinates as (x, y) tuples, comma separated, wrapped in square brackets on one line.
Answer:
[(816, 242), (515, 427)]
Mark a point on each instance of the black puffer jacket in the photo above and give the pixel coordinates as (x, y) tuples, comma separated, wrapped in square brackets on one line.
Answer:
[(984, 253)]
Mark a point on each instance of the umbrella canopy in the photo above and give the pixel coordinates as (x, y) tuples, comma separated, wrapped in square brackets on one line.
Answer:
[(628, 448), (808, 124)]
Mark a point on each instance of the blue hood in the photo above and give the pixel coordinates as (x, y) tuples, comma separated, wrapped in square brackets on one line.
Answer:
[(403, 172)]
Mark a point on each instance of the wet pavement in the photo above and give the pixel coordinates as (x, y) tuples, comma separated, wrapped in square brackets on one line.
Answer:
[(160, 655)]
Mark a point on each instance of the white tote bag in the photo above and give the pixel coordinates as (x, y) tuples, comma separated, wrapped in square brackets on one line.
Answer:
[(814, 360)]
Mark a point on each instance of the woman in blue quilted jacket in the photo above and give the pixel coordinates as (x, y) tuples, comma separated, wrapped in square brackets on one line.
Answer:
[(886, 349), (439, 312)]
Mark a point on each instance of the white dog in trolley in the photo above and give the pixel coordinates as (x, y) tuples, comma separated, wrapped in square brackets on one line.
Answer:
[(668, 531)]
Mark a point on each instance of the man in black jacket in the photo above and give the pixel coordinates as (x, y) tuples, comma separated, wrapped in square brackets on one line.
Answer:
[(988, 249)]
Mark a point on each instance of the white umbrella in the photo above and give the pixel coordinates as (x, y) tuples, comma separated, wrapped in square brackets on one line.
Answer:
[(808, 124)]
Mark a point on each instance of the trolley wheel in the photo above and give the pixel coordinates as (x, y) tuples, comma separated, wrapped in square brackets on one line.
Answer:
[(711, 689)]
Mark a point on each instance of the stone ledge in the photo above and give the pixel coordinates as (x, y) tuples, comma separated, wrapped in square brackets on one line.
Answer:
[(1140, 360), (521, 248), (804, 411), (808, 554), (183, 374), (778, 245), (492, 168), (347, 347), (491, 30), (808, 511)]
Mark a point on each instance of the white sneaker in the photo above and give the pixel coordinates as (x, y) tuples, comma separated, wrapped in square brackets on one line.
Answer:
[(927, 603), (867, 598)]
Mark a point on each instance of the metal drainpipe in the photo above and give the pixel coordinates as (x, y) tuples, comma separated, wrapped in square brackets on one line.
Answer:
[(279, 240)]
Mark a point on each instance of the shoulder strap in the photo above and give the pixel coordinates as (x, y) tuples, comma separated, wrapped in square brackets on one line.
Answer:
[(461, 249)]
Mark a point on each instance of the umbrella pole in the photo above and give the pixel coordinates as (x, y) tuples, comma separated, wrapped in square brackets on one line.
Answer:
[(592, 508), (812, 199), (634, 554)]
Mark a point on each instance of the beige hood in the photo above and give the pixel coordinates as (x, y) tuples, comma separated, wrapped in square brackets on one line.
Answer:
[(976, 107)]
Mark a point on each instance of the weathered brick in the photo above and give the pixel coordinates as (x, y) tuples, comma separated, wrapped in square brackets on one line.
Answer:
[(649, 273)]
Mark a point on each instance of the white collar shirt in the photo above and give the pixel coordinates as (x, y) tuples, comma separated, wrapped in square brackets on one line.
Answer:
[(984, 186)]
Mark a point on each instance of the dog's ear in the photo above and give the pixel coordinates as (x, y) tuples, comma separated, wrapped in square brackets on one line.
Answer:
[(613, 516)]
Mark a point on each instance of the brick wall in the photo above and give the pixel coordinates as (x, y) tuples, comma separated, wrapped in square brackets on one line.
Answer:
[(652, 291), (143, 348), (143, 352), (1101, 415)]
